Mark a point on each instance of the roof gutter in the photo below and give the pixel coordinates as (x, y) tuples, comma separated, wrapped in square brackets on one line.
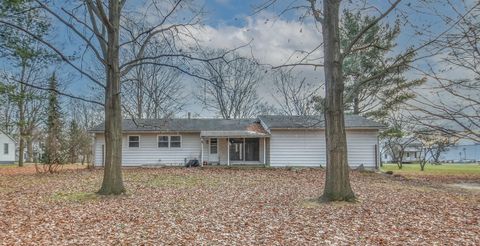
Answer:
[(323, 129)]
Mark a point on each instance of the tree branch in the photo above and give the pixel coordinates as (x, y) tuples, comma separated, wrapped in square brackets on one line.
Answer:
[(366, 28), (87, 41), (317, 14), (59, 92), (64, 58)]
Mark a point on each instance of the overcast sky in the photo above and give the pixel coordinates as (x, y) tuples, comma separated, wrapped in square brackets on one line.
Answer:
[(274, 39)]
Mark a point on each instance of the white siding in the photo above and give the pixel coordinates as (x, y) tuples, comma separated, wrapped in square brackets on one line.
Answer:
[(286, 148), (10, 157), (308, 148), (149, 154), (361, 147), (99, 140), (297, 148)]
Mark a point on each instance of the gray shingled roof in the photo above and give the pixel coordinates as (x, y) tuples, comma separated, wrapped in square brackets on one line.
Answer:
[(271, 121), (315, 122), (182, 125)]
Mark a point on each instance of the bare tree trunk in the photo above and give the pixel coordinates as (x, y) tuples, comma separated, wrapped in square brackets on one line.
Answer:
[(399, 164), (337, 183), (400, 158), (356, 105), (139, 95), (21, 148), (30, 149), (112, 176), (21, 117)]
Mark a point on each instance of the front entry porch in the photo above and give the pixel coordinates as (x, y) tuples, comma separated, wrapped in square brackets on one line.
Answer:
[(234, 149)]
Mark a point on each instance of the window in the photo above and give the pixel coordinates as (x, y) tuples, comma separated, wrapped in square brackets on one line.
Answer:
[(163, 141), (175, 141), (169, 141), (408, 154), (5, 149), (213, 146), (134, 141)]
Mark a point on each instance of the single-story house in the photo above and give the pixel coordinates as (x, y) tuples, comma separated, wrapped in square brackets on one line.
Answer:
[(412, 150), (274, 140), (8, 148), (463, 151)]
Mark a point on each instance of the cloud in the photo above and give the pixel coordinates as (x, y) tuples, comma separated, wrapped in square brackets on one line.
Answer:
[(271, 41)]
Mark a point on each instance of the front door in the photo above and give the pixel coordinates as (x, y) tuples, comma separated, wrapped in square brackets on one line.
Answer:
[(213, 157)]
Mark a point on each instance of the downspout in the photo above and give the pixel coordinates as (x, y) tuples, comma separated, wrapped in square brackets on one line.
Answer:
[(243, 151), (94, 143), (201, 154), (379, 158), (264, 151)]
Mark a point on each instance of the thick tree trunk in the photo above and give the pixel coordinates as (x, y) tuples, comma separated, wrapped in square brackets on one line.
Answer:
[(337, 183), (112, 177)]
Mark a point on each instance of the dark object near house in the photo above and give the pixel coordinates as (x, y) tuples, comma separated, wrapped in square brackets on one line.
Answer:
[(360, 168), (193, 163)]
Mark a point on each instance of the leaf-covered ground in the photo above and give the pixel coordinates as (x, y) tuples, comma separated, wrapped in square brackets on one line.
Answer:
[(221, 206)]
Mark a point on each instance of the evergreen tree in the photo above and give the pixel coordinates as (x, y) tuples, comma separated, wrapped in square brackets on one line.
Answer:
[(53, 145), (366, 93), (74, 142)]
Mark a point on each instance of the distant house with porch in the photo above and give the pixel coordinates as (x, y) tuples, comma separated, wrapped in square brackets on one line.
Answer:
[(463, 151), (8, 149), (274, 140), (412, 150)]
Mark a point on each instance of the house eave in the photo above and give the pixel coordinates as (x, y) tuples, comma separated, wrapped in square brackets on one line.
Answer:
[(323, 129), (148, 131), (233, 134)]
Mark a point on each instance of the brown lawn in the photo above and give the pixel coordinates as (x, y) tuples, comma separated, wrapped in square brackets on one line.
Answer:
[(216, 206)]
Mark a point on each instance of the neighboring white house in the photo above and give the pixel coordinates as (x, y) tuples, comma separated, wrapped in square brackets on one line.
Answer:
[(7, 149), (463, 151), (411, 153), (279, 141)]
